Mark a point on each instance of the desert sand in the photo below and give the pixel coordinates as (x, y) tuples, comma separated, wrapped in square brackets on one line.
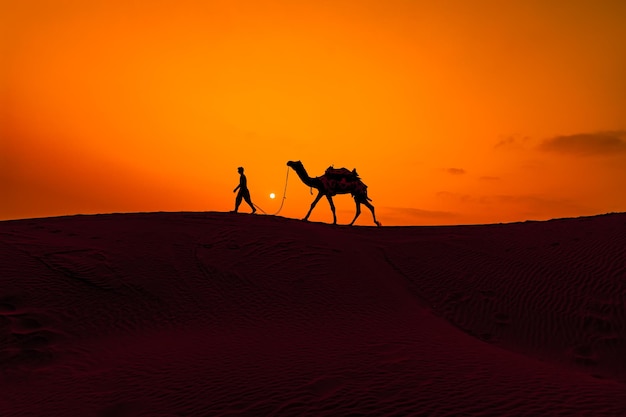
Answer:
[(223, 314)]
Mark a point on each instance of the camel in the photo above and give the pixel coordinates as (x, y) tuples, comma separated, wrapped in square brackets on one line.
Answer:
[(335, 181)]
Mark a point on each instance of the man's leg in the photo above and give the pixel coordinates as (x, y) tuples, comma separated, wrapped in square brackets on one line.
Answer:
[(237, 202), (249, 201)]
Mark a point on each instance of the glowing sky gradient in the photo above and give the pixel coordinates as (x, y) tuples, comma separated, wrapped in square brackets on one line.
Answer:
[(452, 112)]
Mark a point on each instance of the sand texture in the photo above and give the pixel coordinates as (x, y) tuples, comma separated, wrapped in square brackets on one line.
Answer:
[(222, 314)]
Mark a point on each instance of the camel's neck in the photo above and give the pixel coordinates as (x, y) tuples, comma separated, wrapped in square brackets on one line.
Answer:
[(304, 176)]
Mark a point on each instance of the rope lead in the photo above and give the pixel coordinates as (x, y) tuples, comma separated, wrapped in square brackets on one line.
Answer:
[(283, 200)]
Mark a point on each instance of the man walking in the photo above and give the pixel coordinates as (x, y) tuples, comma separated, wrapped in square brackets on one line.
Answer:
[(244, 193)]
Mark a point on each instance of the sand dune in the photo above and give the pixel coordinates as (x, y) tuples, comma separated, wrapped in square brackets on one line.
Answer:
[(220, 314)]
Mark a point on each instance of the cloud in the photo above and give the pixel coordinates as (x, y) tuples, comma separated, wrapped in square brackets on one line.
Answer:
[(457, 197), (455, 171), (587, 144), (418, 213), (511, 142), (534, 205), (423, 213)]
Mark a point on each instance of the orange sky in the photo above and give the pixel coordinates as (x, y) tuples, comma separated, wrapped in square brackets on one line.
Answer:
[(452, 112)]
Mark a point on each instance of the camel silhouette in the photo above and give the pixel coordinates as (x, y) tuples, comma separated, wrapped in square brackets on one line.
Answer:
[(336, 181)]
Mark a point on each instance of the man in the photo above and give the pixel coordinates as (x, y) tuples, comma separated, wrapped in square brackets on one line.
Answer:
[(244, 193)]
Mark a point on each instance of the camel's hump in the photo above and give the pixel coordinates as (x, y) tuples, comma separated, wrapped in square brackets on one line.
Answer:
[(341, 173)]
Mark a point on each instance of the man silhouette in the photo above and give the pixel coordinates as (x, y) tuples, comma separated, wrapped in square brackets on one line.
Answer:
[(244, 193)]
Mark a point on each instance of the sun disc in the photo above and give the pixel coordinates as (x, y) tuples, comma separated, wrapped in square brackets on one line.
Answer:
[(272, 195)]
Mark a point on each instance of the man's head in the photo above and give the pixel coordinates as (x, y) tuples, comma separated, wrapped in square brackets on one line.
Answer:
[(240, 170)]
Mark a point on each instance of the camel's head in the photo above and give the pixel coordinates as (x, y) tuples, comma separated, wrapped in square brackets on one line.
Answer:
[(294, 164)]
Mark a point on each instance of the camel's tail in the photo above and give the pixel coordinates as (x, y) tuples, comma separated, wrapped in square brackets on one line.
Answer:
[(361, 197), (360, 191), (361, 194)]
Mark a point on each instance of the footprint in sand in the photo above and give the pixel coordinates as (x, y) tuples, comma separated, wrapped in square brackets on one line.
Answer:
[(25, 343)]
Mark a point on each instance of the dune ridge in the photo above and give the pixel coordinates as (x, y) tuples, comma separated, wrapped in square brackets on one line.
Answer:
[(217, 314)]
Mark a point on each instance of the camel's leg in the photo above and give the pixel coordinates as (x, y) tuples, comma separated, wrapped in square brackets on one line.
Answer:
[(358, 211), (371, 207), (332, 208), (319, 196)]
